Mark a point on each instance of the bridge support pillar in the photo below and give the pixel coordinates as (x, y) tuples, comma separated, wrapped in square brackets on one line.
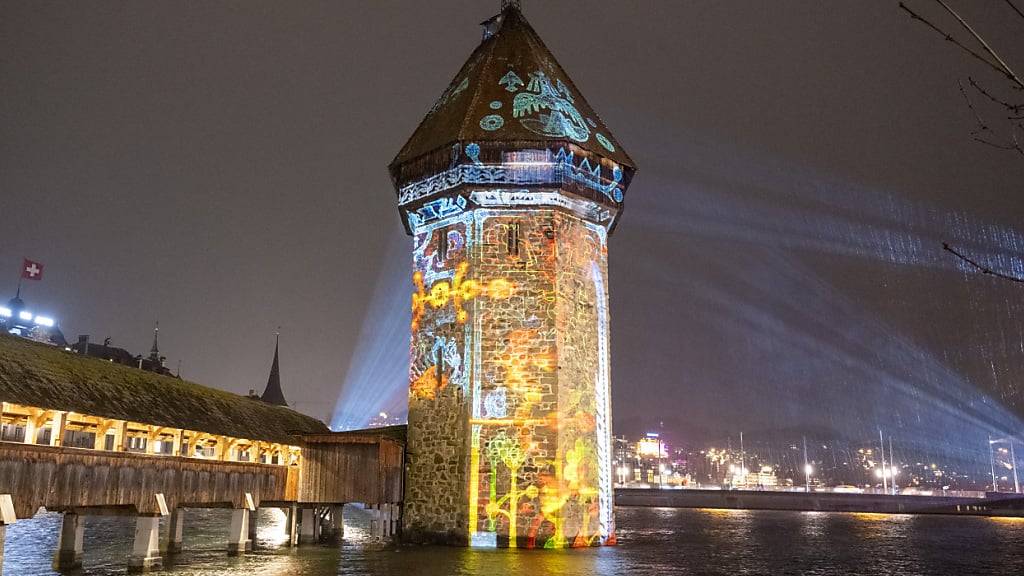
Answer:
[(376, 531), (335, 528), (70, 543), (254, 516), (394, 513), (308, 528), (238, 537), (175, 531), (146, 551), (382, 521), (293, 525), (7, 516)]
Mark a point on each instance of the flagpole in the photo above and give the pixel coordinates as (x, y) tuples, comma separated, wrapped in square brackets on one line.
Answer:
[(18, 295)]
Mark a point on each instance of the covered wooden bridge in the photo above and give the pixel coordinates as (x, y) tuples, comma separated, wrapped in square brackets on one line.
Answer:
[(86, 436)]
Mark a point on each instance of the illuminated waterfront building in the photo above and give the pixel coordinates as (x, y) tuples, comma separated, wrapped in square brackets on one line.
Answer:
[(510, 187)]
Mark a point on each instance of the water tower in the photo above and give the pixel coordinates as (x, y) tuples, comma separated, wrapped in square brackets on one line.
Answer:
[(510, 187)]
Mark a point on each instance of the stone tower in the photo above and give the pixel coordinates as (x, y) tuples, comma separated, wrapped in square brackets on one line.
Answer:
[(510, 187)]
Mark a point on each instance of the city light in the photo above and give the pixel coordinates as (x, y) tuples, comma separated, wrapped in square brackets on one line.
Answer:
[(44, 321), (25, 315), (809, 470), (887, 473), (651, 447), (5, 312)]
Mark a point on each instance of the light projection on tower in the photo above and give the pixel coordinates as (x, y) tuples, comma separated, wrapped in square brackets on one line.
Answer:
[(555, 115), (509, 367)]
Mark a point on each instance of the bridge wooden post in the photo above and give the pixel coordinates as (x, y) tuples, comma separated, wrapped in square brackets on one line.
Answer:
[(177, 442), (32, 422), (146, 551), (121, 436), (175, 531), (58, 424), (99, 442), (238, 537), (70, 543)]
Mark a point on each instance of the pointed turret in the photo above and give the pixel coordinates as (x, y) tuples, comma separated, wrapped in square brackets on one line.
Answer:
[(273, 394), (512, 106)]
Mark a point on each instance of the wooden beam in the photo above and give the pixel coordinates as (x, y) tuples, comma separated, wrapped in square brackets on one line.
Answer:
[(58, 424)]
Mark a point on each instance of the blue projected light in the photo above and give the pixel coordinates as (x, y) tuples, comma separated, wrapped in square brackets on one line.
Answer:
[(495, 104), (548, 110), (604, 141), (511, 81), (377, 377), (492, 122), (473, 152), (549, 169), (591, 176)]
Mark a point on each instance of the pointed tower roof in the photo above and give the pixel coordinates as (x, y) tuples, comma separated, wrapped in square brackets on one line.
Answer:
[(272, 394), (510, 92), (154, 352)]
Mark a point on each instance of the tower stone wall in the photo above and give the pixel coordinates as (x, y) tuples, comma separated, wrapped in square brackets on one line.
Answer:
[(509, 414)]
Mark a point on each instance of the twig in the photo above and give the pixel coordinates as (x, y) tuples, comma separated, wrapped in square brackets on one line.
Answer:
[(979, 267), (982, 127), (1015, 9), (1014, 108), (950, 38), (1002, 65), (994, 144)]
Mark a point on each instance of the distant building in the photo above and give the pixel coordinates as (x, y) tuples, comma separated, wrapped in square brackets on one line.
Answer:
[(104, 351), (153, 363), (383, 420), (17, 319)]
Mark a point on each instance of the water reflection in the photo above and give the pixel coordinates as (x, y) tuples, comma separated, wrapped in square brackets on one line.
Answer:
[(654, 541)]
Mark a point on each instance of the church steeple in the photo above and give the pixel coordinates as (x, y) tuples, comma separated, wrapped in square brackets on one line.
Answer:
[(273, 394), (154, 352)]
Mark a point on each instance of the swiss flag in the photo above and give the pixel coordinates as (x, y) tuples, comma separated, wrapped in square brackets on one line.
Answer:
[(31, 270)]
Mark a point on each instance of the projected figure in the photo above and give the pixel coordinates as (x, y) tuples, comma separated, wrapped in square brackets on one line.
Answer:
[(509, 189)]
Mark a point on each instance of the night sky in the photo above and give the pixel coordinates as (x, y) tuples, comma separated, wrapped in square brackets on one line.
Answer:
[(220, 167)]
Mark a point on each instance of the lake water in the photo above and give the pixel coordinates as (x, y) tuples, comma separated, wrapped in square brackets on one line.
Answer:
[(653, 542)]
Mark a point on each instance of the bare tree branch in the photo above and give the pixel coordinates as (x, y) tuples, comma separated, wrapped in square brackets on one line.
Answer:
[(1014, 108), (982, 127), (979, 267), (950, 38), (984, 132), (1002, 65), (1015, 9)]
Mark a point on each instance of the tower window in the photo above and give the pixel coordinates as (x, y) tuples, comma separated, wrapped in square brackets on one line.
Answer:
[(442, 243), (513, 240)]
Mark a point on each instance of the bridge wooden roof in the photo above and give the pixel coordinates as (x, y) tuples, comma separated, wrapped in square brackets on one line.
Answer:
[(43, 376)]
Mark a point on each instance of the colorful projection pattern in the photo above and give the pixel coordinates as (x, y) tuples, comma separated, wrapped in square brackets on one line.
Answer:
[(509, 343), (555, 168)]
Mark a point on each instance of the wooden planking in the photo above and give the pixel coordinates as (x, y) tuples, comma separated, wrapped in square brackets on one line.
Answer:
[(61, 478), (351, 468)]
